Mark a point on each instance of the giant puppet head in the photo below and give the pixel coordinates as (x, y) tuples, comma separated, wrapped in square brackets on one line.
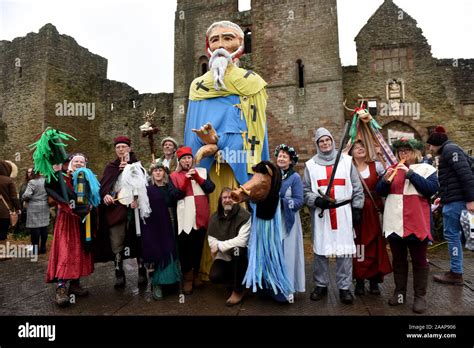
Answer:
[(224, 45)]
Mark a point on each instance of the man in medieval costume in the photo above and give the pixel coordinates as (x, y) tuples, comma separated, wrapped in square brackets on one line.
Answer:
[(169, 146), (229, 230), (226, 120), (117, 238), (339, 209), (189, 186)]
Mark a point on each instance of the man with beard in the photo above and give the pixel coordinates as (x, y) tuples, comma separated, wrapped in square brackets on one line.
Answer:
[(117, 238), (226, 115), (190, 186), (228, 235)]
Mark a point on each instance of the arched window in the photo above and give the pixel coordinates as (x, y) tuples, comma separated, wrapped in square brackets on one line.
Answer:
[(203, 65), (300, 73), (248, 41)]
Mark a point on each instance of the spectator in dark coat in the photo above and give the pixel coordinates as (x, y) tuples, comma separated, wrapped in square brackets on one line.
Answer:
[(456, 188)]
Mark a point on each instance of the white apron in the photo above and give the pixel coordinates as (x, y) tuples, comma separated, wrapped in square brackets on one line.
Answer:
[(333, 234)]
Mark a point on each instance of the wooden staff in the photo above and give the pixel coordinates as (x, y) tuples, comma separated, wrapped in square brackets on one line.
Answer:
[(148, 130), (390, 179)]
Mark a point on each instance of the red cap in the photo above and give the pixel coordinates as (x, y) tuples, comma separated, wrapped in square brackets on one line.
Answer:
[(183, 151), (122, 139)]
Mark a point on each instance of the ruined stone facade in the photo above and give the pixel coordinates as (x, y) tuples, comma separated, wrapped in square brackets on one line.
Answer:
[(430, 91), (40, 71), (293, 45)]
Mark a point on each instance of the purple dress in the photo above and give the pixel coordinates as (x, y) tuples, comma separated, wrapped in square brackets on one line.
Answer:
[(158, 238)]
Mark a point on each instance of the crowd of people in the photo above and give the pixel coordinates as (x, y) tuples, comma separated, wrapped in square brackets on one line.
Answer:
[(206, 216)]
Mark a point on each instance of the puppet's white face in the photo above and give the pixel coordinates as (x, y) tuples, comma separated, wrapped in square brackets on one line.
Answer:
[(226, 38)]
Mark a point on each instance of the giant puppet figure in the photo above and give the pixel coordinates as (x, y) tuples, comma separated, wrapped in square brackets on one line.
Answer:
[(226, 121)]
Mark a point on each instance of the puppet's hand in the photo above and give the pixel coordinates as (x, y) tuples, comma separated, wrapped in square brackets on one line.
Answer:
[(207, 134), (204, 151)]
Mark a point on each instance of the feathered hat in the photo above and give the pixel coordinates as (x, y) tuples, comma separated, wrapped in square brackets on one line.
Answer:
[(49, 150)]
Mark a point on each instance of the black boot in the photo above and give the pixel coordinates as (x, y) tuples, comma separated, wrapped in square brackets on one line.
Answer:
[(360, 287), (420, 284), (345, 296), (142, 278), (400, 276), (119, 273), (318, 293), (374, 287)]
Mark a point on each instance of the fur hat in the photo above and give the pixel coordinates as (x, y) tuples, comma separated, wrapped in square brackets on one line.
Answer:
[(438, 137), (122, 139), (169, 139), (184, 151)]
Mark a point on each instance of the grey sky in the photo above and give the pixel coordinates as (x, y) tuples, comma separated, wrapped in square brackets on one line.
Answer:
[(137, 36)]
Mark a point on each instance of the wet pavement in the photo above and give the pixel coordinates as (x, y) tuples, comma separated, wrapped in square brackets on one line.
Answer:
[(24, 292)]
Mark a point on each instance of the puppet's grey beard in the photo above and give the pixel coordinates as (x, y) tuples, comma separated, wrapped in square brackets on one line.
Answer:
[(218, 63)]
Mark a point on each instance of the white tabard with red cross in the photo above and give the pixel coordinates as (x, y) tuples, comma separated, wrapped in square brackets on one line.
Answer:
[(333, 234)]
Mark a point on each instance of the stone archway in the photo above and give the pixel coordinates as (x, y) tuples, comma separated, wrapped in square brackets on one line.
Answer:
[(395, 129)]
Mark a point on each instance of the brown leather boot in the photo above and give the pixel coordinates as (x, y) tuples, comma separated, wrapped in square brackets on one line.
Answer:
[(420, 284), (197, 282), (188, 283), (62, 296), (449, 278), (400, 276)]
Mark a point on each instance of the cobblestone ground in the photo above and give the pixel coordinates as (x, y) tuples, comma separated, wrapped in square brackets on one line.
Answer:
[(24, 292)]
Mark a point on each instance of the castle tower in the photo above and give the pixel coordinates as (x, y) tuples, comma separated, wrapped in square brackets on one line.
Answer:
[(294, 47), (409, 89)]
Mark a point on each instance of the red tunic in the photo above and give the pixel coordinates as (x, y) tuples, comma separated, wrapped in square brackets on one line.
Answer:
[(373, 261)]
